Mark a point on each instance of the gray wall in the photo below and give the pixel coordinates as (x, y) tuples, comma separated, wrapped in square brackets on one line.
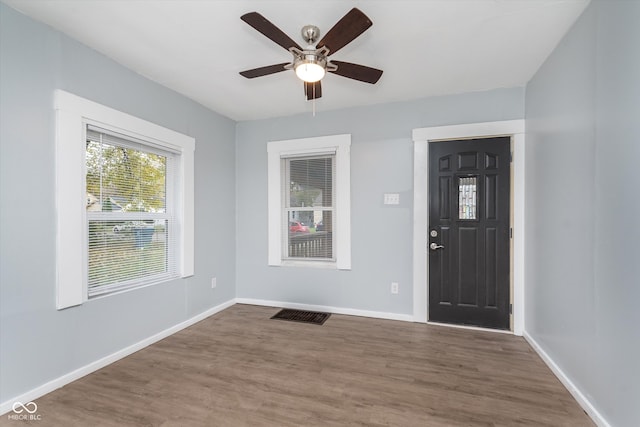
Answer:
[(38, 343), (582, 183), (381, 162)]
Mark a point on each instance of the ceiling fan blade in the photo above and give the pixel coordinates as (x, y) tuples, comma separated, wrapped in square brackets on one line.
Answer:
[(263, 71), (313, 90), (357, 72), (264, 26), (345, 31)]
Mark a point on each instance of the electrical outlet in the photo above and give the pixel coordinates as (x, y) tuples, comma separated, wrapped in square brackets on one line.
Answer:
[(214, 283), (394, 287)]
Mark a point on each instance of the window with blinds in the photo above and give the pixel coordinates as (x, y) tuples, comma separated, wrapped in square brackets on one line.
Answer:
[(309, 202), (131, 230), (309, 205)]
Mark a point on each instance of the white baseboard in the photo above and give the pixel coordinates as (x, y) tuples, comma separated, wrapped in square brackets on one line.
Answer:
[(101, 363), (327, 309), (569, 385)]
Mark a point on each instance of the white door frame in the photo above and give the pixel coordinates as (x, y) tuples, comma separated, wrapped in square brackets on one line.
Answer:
[(421, 138)]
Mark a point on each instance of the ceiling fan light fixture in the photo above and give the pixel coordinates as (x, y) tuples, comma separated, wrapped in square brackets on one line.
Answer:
[(310, 65), (309, 71)]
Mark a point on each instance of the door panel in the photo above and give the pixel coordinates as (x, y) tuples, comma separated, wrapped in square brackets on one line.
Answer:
[(468, 273), (469, 215), (491, 267)]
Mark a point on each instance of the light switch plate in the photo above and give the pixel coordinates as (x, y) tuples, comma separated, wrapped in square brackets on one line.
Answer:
[(391, 199)]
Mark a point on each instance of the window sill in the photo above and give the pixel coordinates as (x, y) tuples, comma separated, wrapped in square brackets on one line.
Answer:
[(330, 265)]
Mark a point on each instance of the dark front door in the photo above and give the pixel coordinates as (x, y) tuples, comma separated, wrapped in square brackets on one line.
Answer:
[(469, 187)]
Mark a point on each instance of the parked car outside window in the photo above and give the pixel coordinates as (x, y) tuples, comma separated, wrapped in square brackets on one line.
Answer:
[(298, 227)]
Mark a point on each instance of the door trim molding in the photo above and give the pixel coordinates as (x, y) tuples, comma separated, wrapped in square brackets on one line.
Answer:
[(421, 138)]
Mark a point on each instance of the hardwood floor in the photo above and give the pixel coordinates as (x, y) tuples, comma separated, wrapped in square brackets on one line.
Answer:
[(240, 368)]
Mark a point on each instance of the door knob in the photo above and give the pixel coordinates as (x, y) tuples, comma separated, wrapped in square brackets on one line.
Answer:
[(435, 246)]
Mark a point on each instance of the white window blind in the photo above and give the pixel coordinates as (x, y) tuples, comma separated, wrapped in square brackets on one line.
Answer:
[(131, 225), (309, 207)]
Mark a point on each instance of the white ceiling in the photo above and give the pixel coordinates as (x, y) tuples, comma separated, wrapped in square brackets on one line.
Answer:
[(426, 48)]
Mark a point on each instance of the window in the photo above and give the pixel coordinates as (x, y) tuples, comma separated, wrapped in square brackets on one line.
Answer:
[(467, 193), (308, 208), (124, 201), (309, 202), (130, 212)]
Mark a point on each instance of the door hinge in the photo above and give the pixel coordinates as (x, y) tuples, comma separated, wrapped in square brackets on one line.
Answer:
[(510, 156), (510, 308), (511, 233)]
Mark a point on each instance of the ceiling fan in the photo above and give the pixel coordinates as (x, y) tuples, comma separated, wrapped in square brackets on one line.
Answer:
[(312, 63)]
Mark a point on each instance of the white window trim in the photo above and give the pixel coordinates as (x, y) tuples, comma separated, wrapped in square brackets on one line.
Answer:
[(73, 113), (276, 150)]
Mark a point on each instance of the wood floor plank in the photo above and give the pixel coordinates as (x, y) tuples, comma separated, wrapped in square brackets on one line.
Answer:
[(239, 368)]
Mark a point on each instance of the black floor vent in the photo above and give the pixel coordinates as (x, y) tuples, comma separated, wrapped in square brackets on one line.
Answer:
[(313, 317)]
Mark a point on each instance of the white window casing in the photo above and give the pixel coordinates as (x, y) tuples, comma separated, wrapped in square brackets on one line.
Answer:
[(340, 145), (73, 114)]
